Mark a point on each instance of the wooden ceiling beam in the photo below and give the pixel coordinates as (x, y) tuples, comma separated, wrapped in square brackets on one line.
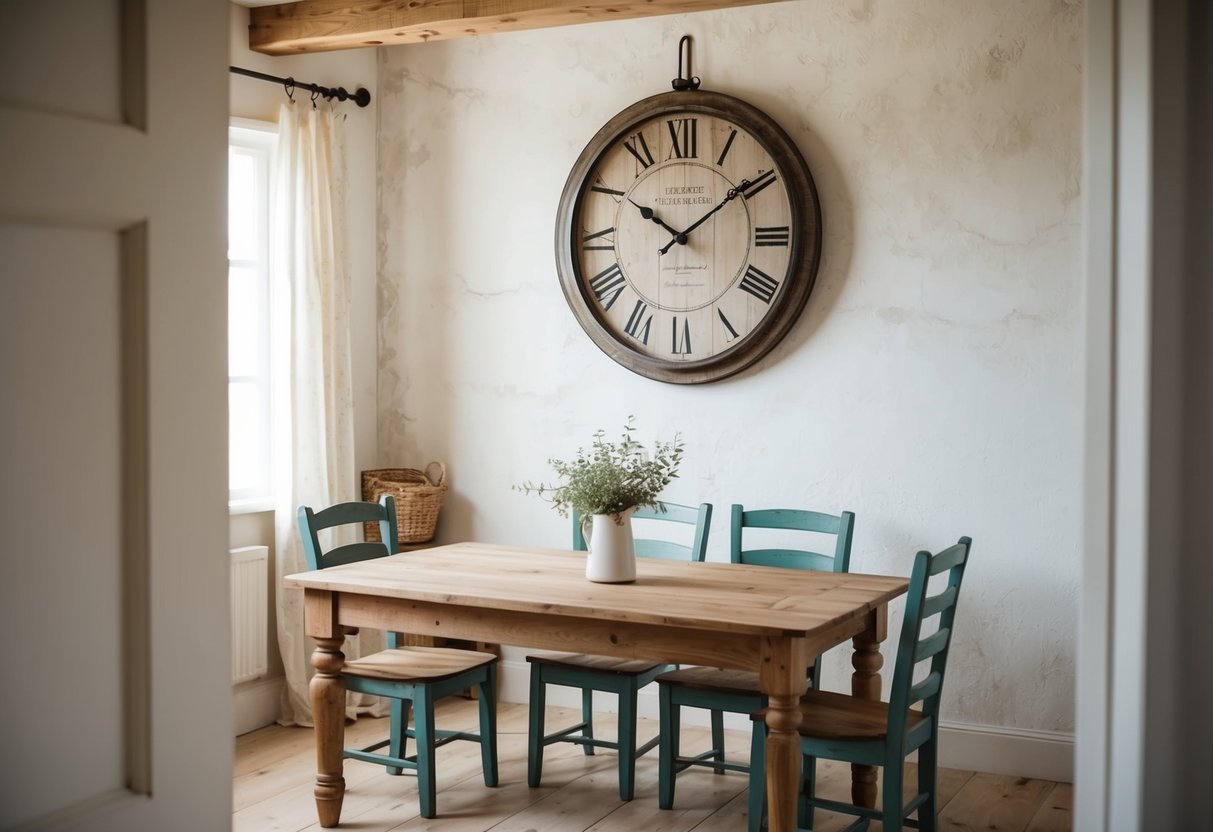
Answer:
[(325, 25)]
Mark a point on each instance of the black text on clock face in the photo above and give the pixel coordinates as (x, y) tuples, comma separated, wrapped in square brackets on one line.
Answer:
[(692, 297)]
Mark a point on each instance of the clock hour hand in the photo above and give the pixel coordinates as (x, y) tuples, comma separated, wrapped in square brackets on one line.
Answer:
[(647, 213), (682, 238)]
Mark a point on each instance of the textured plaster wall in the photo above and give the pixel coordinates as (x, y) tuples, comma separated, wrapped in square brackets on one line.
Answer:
[(934, 382)]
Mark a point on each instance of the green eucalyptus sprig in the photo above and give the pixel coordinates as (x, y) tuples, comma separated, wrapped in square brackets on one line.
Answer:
[(611, 477)]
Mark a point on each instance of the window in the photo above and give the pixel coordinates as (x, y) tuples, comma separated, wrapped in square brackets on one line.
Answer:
[(249, 347)]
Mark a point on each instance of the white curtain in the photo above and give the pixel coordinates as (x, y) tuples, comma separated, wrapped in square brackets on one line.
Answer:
[(314, 436)]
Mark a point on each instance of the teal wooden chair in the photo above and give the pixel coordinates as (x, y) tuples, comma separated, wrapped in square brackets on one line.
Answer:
[(623, 677), (413, 678), (733, 691), (835, 726)]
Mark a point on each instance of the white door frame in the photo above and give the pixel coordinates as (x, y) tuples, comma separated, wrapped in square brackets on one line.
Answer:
[(1134, 749)]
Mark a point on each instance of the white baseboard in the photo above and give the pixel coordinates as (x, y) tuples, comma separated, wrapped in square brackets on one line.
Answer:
[(256, 704), (1021, 752), (1043, 755)]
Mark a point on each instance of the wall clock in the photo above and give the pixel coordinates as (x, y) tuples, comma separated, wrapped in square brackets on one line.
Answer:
[(688, 236)]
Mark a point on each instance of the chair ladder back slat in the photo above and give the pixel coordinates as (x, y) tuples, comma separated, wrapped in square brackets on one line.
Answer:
[(673, 512), (795, 519), (343, 514), (352, 553), (932, 645), (927, 688), (950, 558), (662, 550), (788, 559), (938, 603)]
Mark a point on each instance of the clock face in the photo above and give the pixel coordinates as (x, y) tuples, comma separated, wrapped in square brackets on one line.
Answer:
[(689, 235)]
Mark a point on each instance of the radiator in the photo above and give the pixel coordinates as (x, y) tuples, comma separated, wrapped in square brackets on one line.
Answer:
[(250, 597)]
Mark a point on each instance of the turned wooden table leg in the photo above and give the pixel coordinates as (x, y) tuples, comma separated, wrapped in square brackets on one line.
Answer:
[(865, 684), (783, 681), (327, 690), (783, 761)]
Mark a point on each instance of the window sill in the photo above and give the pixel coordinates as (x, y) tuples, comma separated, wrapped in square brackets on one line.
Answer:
[(250, 505)]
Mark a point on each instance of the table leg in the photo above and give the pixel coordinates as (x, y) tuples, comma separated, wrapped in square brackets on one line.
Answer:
[(327, 690), (865, 684), (783, 761)]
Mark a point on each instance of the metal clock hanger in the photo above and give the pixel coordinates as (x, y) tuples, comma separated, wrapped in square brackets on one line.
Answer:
[(690, 82)]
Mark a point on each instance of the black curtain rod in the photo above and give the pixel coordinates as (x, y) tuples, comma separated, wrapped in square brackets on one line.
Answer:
[(362, 97)]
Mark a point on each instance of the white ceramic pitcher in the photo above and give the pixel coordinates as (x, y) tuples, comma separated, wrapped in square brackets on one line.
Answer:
[(612, 555)]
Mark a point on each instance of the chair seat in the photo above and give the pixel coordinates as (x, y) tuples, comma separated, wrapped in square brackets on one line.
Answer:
[(714, 679), (407, 664), (603, 664), (825, 715)]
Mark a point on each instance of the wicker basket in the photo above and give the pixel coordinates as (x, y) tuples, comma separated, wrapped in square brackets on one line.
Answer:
[(418, 497)]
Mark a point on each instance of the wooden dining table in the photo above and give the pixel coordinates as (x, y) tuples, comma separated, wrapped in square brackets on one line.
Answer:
[(763, 619)]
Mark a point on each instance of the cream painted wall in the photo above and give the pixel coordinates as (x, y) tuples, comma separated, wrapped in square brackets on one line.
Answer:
[(934, 382), (253, 99)]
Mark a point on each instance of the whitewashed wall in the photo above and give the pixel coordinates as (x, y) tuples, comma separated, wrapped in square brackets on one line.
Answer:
[(934, 382)]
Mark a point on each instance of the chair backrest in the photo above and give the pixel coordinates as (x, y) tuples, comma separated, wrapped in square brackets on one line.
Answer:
[(700, 518), (913, 648), (311, 523), (841, 526)]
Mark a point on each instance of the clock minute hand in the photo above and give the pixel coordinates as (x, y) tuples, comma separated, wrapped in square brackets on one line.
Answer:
[(732, 194)]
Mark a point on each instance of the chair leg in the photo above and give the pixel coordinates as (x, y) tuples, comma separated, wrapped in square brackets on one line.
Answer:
[(399, 721), (424, 718), (534, 755), (587, 718), (891, 799), (627, 743), (718, 738), (807, 793), (668, 746), (928, 819), (757, 801), (488, 725)]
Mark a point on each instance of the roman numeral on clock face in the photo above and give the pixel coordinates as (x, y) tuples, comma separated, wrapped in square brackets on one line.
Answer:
[(603, 189), (639, 148), (777, 235), (759, 284), (683, 143), (728, 326), (754, 188), (728, 143), (607, 285), (598, 241), (638, 323), (681, 346)]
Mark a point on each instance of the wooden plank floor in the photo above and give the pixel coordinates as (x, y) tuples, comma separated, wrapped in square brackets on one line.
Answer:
[(275, 767)]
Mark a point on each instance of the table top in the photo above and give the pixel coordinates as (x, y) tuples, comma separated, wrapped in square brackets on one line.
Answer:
[(760, 600)]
